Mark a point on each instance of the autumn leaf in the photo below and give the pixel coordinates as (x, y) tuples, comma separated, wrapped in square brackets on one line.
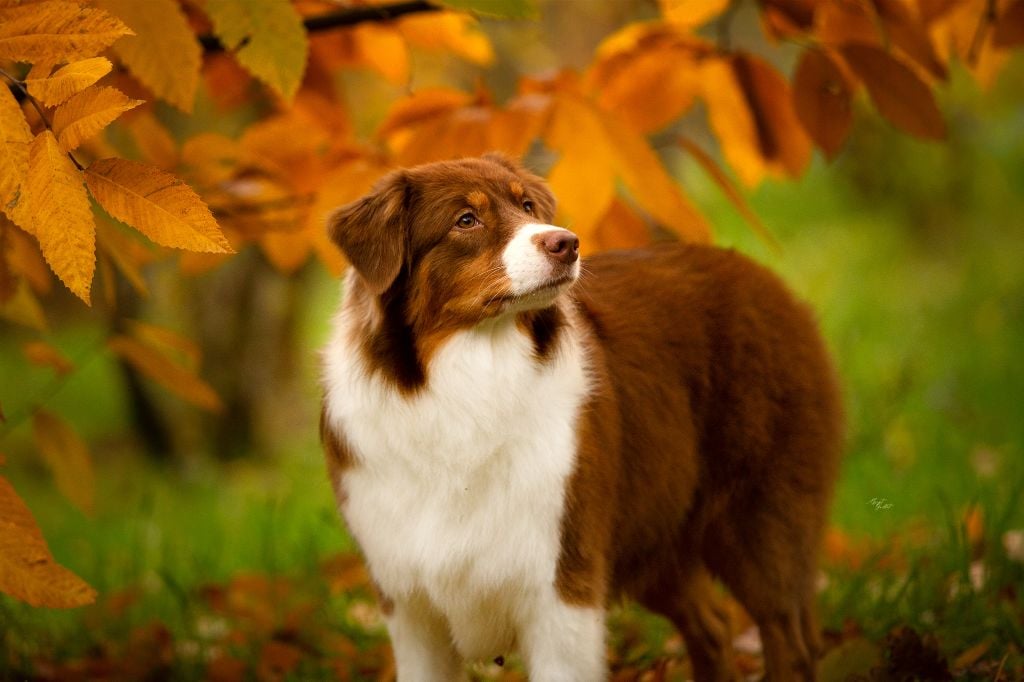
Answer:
[(619, 228), (731, 191), (56, 30), (64, 224), (175, 378), (164, 53), (422, 105), (27, 569), (23, 308), (382, 49), (67, 457), (504, 9), (267, 38), (87, 113), (454, 32), (127, 255), (43, 354), (169, 343), (821, 98), (897, 93), (15, 139), (26, 260), (155, 203), (1009, 31), (691, 13), (68, 80)]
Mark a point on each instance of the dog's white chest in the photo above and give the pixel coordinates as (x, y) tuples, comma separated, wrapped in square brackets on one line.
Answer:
[(457, 491)]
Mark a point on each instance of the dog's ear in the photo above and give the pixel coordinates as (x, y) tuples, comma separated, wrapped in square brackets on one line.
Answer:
[(371, 232)]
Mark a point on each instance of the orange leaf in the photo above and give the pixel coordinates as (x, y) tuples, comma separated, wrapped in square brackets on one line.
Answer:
[(155, 203), (287, 250), (782, 142), (453, 32), (67, 456), (897, 93), (23, 308), (381, 48), (127, 254), (821, 97), (57, 30), (731, 191), (87, 113), (168, 342), (421, 106), (1009, 30), (27, 569), (63, 217), (27, 260), (43, 354), (164, 53), (619, 228), (906, 32), (514, 128), (68, 80), (651, 186), (629, 67), (175, 378), (691, 13)]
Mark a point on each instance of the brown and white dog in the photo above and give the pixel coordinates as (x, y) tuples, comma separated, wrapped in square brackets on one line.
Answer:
[(513, 445)]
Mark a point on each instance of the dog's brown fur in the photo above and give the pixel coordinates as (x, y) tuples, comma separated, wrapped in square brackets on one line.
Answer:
[(711, 440)]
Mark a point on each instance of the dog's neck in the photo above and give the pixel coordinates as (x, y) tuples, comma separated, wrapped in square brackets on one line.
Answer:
[(401, 345)]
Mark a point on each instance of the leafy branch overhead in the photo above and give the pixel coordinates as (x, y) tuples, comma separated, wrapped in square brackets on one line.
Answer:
[(85, 146)]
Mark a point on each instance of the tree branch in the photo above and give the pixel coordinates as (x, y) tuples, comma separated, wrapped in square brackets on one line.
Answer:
[(341, 18)]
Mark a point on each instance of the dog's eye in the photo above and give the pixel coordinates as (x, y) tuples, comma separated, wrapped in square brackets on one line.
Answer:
[(528, 206), (466, 220)]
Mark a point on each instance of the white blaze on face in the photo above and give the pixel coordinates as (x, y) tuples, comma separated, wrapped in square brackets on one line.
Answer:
[(527, 264)]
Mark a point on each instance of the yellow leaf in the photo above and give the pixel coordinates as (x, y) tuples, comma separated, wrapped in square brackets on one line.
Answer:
[(382, 49), (175, 378), (455, 32), (87, 113), (209, 159), (59, 30), (15, 139), (153, 140), (731, 120), (68, 80), (43, 354), (63, 218), (155, 203), (127, 254), (27, 569), (164, 53), (267, 38), (23, 308), (67, 457), (691, 13)]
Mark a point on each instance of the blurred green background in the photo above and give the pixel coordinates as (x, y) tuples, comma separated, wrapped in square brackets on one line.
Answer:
[(912, 253)]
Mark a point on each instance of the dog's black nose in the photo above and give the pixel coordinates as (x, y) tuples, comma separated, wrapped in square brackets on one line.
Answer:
[(562, 245)]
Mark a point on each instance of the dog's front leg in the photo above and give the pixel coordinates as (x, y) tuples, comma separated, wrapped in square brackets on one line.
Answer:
[(565, 643), (422, 644)]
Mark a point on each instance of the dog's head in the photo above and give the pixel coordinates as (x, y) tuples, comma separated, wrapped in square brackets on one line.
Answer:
[(459, 241)]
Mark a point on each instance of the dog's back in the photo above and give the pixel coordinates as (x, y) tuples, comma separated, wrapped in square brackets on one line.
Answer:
[(731, 429)]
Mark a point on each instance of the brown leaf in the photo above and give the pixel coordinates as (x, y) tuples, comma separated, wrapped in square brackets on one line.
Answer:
[(43, 354), (27, 569), (1009, 30), (67, 456), (781, 140), (897, 93), (822, 100), (968, 656), (906, 32)]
